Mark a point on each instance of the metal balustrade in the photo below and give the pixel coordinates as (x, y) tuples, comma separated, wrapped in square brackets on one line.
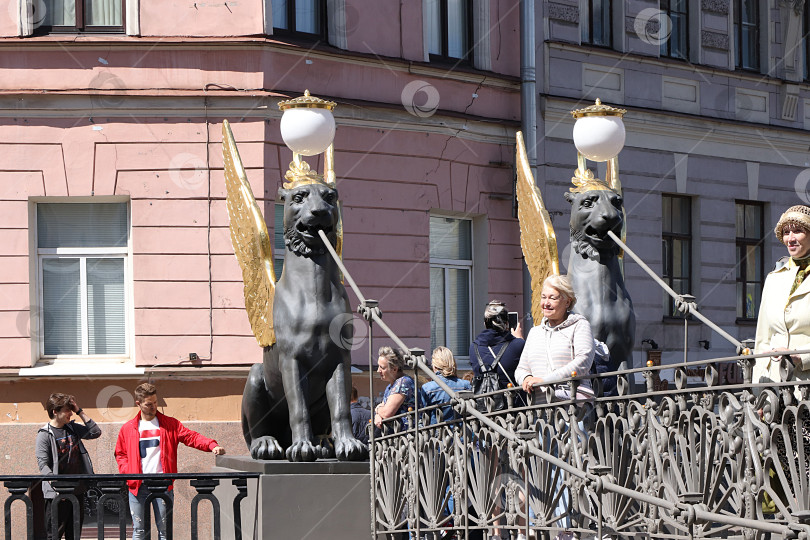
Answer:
[(695, 461), (106, 502), (699, 460)]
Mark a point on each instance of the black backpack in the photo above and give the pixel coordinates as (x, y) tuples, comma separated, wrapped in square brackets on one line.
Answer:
[(487, 381)]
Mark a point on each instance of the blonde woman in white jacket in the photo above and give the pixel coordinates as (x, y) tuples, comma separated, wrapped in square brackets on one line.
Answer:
[(561, 346)]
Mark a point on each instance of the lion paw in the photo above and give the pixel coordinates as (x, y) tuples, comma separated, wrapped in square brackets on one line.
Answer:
[(302, 451), (266, 447), (350, 449), (326, 452)]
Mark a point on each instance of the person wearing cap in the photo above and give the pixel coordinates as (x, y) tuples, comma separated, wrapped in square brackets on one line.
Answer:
[(784, 314), (784, 324), (496, 337)]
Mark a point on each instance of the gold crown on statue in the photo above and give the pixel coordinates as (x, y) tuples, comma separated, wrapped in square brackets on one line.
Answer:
[(300, 174), (585, 181)]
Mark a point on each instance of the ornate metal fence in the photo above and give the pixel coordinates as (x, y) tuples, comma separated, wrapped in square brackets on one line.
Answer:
[(700, 460), (105, 503)]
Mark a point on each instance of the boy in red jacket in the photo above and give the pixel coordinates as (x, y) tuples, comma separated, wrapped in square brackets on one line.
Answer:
[(147, 444)]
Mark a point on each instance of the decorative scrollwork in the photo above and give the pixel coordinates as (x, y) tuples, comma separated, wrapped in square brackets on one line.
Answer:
[(702, 461)]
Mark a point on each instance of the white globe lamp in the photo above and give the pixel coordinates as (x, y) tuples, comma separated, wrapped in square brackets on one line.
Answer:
[(307, 125), (599, 133)]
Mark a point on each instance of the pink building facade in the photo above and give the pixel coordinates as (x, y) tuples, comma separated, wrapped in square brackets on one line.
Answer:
[(117, 263)]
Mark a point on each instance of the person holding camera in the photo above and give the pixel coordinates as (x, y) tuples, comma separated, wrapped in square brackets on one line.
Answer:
[(497, 341)]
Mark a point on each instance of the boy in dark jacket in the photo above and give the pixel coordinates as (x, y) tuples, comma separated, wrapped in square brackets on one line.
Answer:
[(59, 450)]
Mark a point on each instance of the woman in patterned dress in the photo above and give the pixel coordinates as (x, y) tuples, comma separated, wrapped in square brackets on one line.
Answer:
[(399, 394)]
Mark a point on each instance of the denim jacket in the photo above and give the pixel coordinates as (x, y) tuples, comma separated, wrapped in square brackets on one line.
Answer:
[(432, 394)]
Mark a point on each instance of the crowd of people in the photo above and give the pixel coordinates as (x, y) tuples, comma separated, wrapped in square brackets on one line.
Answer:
[(562, 344), (559, 345)]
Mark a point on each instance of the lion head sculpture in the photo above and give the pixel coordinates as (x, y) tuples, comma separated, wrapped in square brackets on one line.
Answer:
[(593, 214), (307, 209)]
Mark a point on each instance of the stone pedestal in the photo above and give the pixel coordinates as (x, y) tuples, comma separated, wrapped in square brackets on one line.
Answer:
[(292, 501)]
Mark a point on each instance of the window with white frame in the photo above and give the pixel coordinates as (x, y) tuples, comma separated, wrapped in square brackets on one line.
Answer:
[(806, 37), (675, 18), (82, 273), (302, 18), (449, 29), (676, 243), (451, 264), (69, 16), (750, 267)]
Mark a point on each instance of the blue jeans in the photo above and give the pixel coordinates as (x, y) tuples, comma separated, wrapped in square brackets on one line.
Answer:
[(136, 507)]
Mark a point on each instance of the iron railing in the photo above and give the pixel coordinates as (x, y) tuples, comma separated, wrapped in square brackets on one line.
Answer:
[(699, 460), (105, 502)]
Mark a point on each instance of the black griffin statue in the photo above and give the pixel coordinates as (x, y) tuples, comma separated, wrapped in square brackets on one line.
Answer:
[(595, 269), (300, 392)]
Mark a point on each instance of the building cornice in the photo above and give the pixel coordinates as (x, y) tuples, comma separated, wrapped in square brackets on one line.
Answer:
[(107, 106), (107, 43), (618, 59), (680, 133)]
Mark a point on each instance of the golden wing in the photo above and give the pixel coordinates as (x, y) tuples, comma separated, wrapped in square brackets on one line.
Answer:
[(537, 238), (251, 243)]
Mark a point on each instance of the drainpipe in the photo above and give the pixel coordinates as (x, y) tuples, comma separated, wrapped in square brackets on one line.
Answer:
[(528, 121)]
